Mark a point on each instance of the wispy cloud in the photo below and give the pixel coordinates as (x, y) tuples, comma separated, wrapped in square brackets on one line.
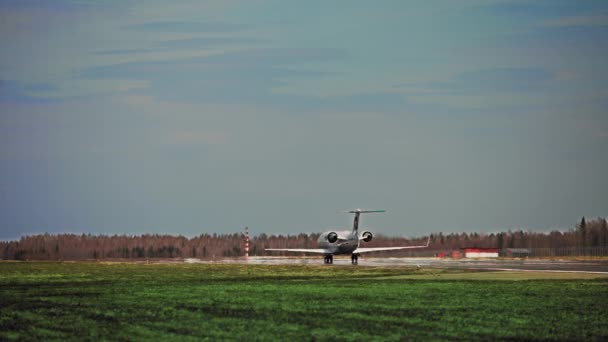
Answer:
[(59, 5), (578, 21), (246, 76), (187, 27), (203, 42), (195, 137), (484, 81), (69, 89), (501, 79), (491, 90), (199, 43), (136, 100), (18, 92)]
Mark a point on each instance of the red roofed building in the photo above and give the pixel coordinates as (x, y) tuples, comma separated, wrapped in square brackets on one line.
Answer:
[(473, 252)]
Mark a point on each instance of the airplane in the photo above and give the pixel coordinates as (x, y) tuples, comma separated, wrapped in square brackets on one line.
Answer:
[(346, 242)]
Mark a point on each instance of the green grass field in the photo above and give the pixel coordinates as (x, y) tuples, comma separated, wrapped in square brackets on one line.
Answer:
[(122, 301)]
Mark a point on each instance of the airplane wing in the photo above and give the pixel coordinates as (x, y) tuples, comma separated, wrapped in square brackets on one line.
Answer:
[(312, 250), (377, 249)]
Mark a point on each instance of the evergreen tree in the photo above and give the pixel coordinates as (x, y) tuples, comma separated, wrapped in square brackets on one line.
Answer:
[(582, 232), (603, 232)]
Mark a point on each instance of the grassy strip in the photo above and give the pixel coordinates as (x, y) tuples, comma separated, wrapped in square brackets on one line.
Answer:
[(262, 302)]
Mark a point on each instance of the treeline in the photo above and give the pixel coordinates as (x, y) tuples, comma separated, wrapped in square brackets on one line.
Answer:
[(593, 233)]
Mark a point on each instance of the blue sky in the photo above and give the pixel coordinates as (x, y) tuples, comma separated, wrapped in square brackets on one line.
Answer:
[(135, 117)]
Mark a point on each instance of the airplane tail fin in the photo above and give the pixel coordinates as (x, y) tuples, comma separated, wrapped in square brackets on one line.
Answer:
[(357, 213)]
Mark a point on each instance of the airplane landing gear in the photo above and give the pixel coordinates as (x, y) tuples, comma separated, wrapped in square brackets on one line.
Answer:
[(328, 259), (354, 259)]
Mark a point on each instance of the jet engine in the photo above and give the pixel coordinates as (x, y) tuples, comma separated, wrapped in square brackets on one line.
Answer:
[(367, 236), (332, 237)]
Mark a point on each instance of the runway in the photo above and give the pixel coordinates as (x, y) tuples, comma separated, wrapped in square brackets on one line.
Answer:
[(578, 266)]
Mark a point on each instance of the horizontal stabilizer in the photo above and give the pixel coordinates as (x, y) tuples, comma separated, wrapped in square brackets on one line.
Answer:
[(358, 213)]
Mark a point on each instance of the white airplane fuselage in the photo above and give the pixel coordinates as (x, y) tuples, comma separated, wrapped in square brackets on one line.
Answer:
[(347, 242)]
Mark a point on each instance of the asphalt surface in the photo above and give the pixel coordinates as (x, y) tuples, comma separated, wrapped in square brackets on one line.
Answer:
[(580, 266)]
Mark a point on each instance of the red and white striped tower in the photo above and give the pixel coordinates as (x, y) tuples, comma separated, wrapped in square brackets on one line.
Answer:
[(246, 242)]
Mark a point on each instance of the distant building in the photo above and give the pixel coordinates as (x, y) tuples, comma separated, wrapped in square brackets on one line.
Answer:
[(518, 252), (474, 252)]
